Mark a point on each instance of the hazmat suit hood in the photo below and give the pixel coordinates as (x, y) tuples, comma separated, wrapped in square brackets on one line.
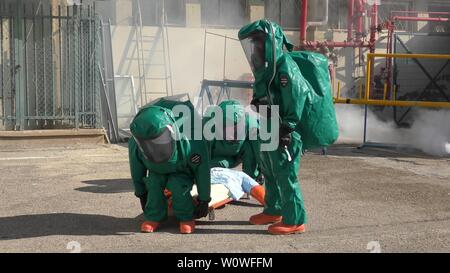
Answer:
[(235, 108), (263, 43), (233, 122), (156, 134)]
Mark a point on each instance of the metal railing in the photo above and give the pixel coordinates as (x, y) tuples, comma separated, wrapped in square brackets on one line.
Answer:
[(366, 99), (389, 97)]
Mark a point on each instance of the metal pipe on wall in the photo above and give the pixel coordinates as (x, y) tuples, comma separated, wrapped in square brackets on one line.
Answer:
[(390, 26), (415, 12), (373, 27), (304, 24), (303, 21), (360, 22), (350, 14), (419, 19), (352, 43)]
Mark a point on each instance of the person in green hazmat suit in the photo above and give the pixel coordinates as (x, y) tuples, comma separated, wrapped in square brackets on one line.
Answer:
[(277, 82), (234, 145), (161, 158)]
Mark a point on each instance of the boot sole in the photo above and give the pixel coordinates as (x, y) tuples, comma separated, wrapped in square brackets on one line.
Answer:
[(266, 223), (147, 231), (286, 233)]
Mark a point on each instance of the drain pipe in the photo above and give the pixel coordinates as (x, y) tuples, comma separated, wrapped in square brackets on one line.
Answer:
[(360, 12), (350, 14), (303, 22), (373, 27)]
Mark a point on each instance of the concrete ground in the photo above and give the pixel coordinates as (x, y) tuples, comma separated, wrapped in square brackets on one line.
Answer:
[(81, 198)]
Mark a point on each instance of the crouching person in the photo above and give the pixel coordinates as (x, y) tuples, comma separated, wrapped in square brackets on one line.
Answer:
[(163, 158)]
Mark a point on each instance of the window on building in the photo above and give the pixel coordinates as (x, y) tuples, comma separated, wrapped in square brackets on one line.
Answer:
[(337, 16), (176, 12), (223, 13), (152, 11), (286, 13)]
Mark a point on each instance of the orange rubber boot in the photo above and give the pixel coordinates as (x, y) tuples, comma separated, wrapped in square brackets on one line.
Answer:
[(258, 192), (187, 227), (283, 229), (167, 193), (264, 219), (149, 227)]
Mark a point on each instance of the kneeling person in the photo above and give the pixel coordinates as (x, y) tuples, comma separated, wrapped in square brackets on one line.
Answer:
[(161, 157)]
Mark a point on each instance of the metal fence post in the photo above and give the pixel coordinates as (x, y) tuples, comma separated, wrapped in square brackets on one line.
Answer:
[(19, 66)]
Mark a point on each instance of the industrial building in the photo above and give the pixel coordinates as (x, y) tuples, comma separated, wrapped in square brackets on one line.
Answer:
[(135, 51), (74, 73)]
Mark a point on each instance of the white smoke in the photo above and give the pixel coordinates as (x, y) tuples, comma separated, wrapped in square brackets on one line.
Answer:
[(430, 131)]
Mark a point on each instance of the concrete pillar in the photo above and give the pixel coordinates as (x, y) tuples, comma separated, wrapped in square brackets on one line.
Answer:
[(7, 64), (193, 13), (256, 10)]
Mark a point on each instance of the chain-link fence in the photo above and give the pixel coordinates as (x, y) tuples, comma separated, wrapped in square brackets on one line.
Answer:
[(48, 67)]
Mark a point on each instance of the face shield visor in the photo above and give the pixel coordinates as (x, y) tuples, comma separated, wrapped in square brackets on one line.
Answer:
[(234, 132), (254, 49), (228, 133), (160, 148)]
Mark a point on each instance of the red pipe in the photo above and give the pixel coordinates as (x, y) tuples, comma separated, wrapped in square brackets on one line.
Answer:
[(421, 19), (329, 44), (423, 12), (350, 15), (359, 24), (373, 27), (391, 28), (358, 43), (303, 22)]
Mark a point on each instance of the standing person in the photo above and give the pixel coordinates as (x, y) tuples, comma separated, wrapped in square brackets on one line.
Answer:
[(278, 81), (161, 158)]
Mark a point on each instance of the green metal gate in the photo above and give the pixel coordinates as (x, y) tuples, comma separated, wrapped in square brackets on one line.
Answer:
[(49, 77)]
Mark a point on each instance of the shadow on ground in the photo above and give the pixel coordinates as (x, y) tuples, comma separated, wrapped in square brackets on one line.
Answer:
[(108, 186), (38, 225), (345, 150), (245, 204)]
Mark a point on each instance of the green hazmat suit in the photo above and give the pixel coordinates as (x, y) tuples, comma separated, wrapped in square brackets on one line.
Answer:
[(278, 81), (175, 163), (229, 152)]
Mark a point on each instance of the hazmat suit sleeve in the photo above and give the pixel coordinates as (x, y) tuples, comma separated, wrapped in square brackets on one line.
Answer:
[(200, 163), (250, 149), (249, 159), (137, 168), (293, 92), (224, 162)]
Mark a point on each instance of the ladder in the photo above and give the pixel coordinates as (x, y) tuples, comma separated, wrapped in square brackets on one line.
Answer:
[(147, 48)]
